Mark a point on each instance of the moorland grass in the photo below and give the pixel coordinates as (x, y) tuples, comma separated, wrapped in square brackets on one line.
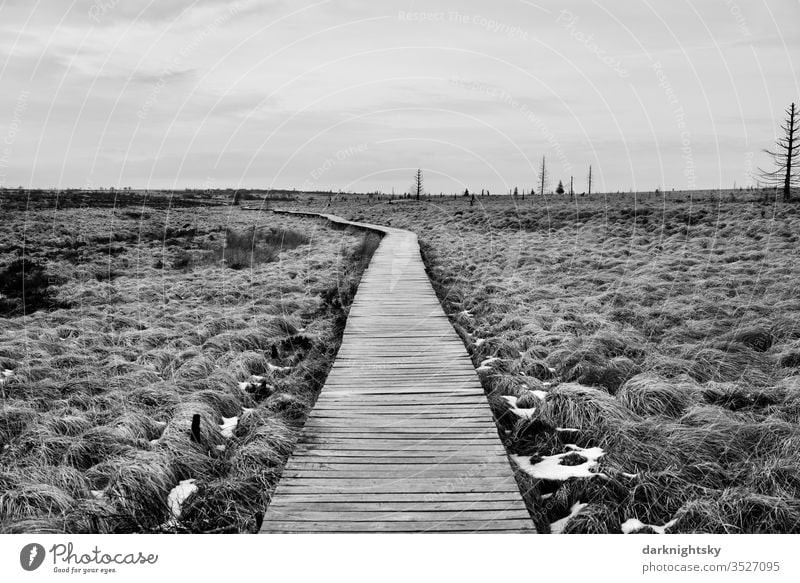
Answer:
[(663, 328), (105, 381)]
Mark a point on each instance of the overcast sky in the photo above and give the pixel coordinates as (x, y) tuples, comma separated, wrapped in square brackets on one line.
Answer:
[(349, 94)]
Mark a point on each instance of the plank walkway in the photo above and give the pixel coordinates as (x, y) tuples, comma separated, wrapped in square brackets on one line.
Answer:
[(401, 438)]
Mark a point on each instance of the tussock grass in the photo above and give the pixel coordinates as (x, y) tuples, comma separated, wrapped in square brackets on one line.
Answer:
[(95, 428), (588, 409), (648, 394), (666, 328)]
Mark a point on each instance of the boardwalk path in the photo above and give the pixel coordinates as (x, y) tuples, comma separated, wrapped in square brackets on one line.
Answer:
[(401, 438)]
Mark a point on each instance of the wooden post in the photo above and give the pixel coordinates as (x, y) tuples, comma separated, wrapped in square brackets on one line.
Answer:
[(196, 428)]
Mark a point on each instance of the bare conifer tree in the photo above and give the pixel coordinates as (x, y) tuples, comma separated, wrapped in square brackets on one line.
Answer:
[(418, 183), (543, 175), (785, 157)]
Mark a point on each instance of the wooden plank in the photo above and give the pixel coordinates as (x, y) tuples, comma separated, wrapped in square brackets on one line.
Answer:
[(282, 514), (288, 504)]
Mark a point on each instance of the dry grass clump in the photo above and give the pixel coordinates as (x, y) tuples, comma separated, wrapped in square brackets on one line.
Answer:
[(586, 409), (106, 390), (648, 394)]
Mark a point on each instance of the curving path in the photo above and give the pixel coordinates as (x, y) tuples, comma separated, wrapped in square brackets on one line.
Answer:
[(401, 438)]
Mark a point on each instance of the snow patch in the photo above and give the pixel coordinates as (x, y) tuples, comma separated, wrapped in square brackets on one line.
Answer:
[(542, 395), (524, 413), (633, 525), (480, 342), (178, 496), (275, 368), (256, 382), (228, 426), (5, 375), (557, 527), (550, 467)]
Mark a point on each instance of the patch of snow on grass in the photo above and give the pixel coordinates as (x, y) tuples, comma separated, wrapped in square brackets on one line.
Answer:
[(5, 375), (551, 468), (557, 527), (480, 342), (524, 413), (542, 395), (178, 496), (228, 426), (633, 525)]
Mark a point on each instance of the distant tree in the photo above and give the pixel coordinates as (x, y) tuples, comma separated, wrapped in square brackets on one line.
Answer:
[(543, 175), (516, 191), (560, 188), (590, 180), (785, 157), (466, 192), (418, 182)]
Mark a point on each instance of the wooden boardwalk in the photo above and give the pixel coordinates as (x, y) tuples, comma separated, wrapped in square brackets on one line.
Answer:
[(401, 438)]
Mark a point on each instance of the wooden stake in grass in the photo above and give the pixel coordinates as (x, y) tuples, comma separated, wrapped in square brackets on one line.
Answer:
[(196, 428)]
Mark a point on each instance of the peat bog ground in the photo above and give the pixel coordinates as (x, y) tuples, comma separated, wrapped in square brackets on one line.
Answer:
[(641, 352), (157, 361)]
